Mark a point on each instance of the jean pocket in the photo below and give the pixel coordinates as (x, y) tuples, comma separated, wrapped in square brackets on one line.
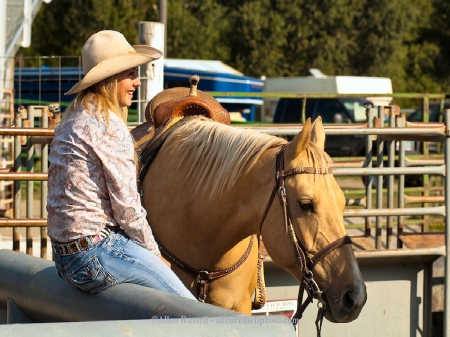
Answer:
[(91, 276)]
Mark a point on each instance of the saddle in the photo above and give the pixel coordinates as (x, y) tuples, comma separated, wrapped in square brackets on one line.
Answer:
[(180, 102), (174, 103)]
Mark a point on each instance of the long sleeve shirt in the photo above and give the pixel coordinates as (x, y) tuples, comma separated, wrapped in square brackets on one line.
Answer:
[(92, 181)]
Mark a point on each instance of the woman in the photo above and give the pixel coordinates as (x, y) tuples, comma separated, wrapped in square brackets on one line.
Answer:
[(97, 225)]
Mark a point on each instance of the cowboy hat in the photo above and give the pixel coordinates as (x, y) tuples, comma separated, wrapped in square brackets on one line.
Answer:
[(108, 53)]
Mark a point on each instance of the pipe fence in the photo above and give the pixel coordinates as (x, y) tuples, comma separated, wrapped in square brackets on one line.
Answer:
[(31, 142), (386, 162)]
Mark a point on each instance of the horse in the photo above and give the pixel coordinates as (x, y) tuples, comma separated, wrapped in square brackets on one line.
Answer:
[(211, 187)]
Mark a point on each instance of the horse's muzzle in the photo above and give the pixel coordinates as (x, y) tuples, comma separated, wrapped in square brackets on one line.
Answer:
[(348, 306)]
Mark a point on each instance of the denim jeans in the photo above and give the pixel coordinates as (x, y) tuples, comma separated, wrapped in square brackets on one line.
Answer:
[(114, 260)]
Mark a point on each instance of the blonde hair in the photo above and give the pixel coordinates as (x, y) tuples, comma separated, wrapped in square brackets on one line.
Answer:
[(102, 96)]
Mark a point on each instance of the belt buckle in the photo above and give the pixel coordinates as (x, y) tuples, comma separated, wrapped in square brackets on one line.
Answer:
[(65, 250), (83, 243), (74, 247)]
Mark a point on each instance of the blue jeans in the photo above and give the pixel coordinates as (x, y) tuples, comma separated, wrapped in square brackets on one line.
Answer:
[(114, 260)]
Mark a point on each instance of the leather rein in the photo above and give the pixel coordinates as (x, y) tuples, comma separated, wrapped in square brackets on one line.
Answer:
[(305, 261), (204, 277)]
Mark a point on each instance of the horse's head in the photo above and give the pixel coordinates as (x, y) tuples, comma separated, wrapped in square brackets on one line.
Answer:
[(315, 205)]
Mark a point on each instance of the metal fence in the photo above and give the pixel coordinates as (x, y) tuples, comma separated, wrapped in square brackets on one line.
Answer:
[(31, 143), (380, 208)]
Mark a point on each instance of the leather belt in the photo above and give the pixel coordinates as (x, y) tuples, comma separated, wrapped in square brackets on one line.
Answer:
[(81, 244)]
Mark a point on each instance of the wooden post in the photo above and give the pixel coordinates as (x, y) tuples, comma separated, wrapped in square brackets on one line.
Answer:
[(152, 74)]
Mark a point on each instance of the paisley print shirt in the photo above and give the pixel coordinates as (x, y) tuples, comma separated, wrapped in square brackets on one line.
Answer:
[(92, 181)]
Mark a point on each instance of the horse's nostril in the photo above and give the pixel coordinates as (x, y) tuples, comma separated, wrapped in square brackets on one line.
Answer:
[(347, 301)]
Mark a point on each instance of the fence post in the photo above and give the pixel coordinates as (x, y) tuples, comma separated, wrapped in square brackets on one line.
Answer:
[(151, 34), (380, 148), (447, 228), (44, 191), (17, 184)]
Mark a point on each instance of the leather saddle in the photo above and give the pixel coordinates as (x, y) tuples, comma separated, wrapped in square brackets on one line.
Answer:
[(174, 103)]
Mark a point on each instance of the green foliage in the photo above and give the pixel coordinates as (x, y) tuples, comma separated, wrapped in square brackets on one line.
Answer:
[(437, 32), (62, 27), (194, 30), (255, 36), (401, 39)]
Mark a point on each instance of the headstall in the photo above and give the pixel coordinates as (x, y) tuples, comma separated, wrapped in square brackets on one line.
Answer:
[(306, 261)]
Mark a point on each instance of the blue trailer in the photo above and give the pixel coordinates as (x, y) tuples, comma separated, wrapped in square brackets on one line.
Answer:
[(47, 85), (216, 76)]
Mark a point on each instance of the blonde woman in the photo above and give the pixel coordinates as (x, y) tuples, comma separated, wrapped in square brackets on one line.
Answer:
[(97, 225)]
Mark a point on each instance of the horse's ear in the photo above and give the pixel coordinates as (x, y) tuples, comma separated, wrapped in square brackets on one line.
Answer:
[(300, 142), (318, 133)]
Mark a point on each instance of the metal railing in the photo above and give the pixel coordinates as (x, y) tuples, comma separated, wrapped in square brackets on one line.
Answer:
[(375, 165), (399, 129)]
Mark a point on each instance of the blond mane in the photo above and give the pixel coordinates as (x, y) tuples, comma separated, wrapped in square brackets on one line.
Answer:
[(215, 155)]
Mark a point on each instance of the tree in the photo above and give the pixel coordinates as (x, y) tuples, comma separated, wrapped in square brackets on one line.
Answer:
[(255, 37), (386, 34), (62, 27), (194, 30), (319, 34), (406, 41), (437, 32)]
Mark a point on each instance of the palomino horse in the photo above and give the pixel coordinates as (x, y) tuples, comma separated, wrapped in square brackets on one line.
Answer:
[(207, 192)]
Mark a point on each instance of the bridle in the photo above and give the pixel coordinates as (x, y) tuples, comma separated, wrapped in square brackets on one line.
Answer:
[(204, 277), (305, 261)]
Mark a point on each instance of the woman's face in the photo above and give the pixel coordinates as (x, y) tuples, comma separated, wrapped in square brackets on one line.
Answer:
[(127, 83)]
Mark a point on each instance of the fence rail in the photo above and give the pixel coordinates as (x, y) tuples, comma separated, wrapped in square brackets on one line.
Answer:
[(379, 208), (32, 137)]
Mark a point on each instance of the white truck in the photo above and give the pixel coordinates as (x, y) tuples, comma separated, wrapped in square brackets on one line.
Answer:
[(327, 85), (331, 107)]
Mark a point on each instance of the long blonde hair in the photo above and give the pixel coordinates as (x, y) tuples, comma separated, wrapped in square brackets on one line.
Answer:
[(102, 96)]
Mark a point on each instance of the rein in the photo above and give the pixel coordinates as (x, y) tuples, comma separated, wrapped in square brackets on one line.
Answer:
[(204, 277), (304, 259)]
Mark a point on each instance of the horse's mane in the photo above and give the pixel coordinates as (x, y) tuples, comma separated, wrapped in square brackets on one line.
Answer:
[(214, 154)]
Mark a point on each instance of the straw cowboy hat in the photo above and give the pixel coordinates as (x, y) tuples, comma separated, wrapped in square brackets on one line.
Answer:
[(108, 53)]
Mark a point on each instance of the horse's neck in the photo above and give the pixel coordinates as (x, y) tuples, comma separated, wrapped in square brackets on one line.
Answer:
[(204, 222), (236, 214), (250, 195)]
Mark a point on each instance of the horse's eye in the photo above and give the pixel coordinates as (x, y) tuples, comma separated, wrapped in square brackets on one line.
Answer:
[(306, 205)]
